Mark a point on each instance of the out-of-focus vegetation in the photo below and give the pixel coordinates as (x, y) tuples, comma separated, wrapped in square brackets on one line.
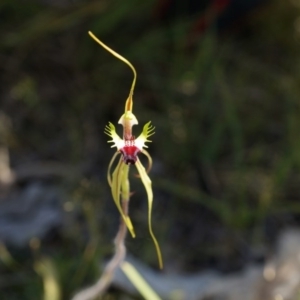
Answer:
[(226, 150)]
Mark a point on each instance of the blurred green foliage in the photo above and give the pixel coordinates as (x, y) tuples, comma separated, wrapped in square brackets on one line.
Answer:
[(226, 149)]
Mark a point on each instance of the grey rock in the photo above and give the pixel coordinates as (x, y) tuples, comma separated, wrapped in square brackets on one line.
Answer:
[(29, 212)]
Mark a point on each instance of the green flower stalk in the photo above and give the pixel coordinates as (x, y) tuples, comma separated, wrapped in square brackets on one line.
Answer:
[(128, 149)]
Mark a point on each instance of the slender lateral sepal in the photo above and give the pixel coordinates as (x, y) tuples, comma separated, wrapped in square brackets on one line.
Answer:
[(148, 186), (116, 183)]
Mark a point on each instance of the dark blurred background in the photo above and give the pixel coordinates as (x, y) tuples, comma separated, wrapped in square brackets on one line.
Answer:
[(220, 81)]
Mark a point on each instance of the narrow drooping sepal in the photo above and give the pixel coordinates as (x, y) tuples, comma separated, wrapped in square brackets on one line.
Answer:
[(148, 186), (116, 184), (148, 130), (110, 130)]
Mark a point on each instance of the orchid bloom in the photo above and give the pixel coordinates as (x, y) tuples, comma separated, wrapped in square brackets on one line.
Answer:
[(128, 148)]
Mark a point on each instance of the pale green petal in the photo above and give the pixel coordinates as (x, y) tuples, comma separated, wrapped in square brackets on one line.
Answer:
[(147, 184), (109, 179), (148, 130), (146, 153), (110, 130), (116, 183)]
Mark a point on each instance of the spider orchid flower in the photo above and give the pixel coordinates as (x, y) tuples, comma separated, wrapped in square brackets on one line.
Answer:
[(128, 147)]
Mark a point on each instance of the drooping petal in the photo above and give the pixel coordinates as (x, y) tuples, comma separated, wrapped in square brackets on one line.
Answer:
[(109, 179), (116, 183), (147, 184), (148, 130), (110, 130), (146, 153)]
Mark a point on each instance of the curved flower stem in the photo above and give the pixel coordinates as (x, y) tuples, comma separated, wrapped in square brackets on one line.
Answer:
[(100, 287)]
